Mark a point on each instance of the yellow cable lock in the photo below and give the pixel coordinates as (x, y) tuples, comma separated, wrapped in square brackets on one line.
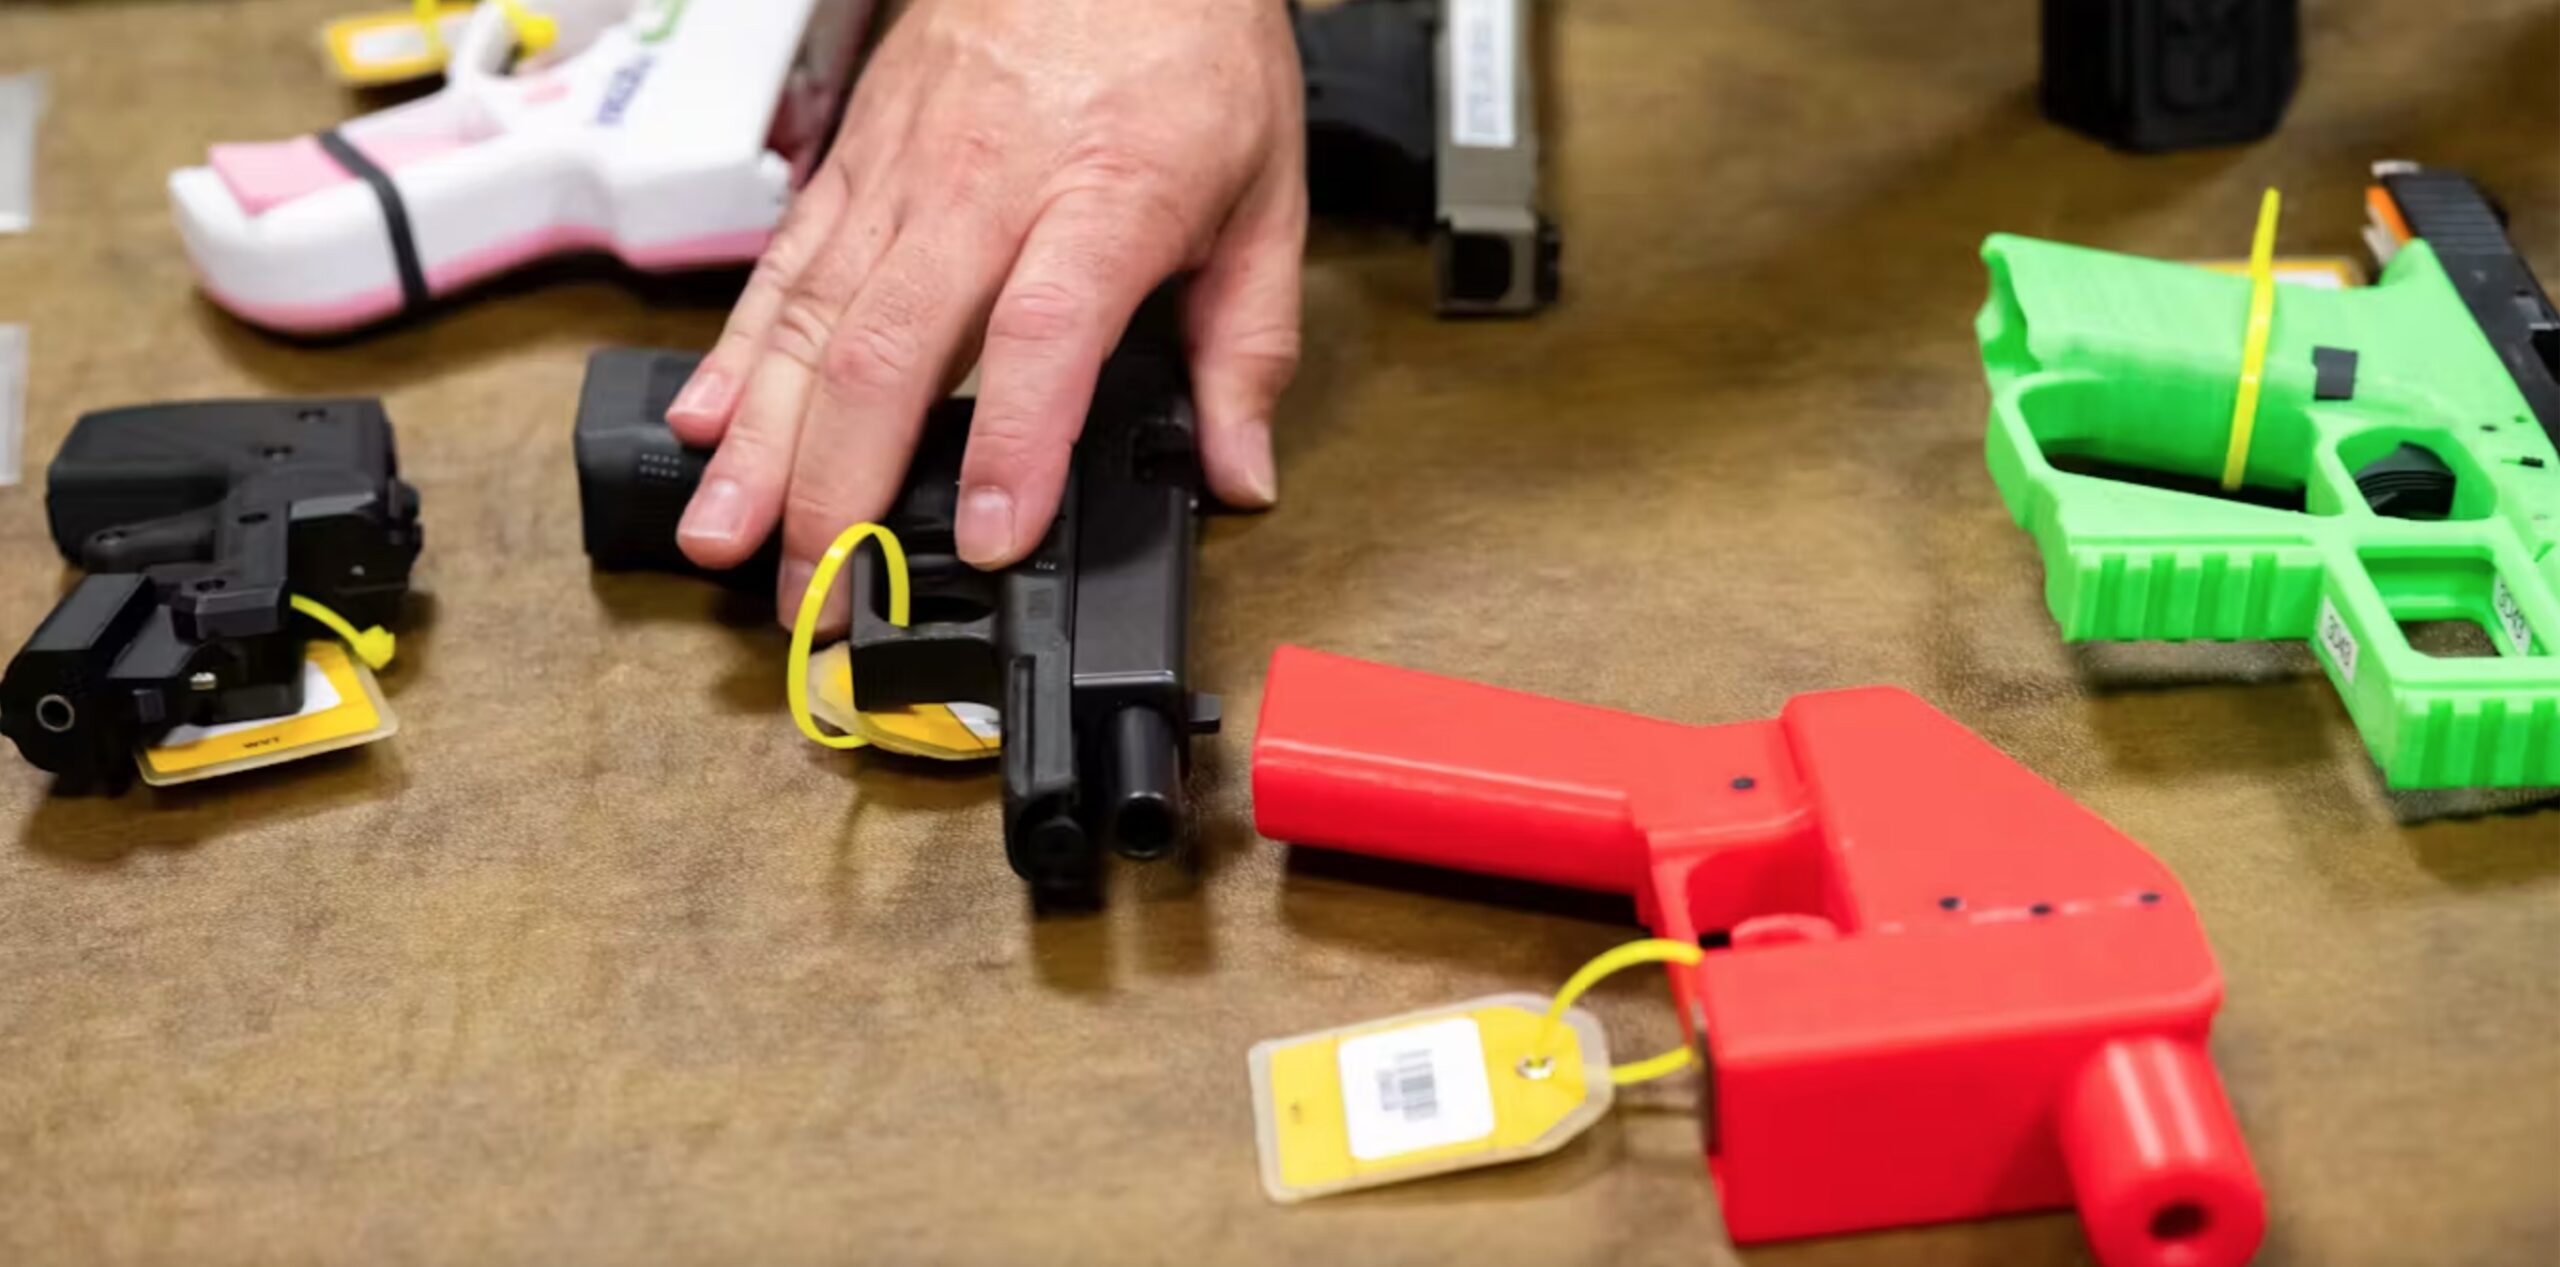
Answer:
[(374, 646), (804, 627), (2253, 356), (1633, 954)]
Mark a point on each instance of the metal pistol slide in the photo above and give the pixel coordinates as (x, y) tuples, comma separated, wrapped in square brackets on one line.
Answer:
[(198, 525), (1083, 646), (1935, 987), (2400, 473), (1423, 114), (671, 138)]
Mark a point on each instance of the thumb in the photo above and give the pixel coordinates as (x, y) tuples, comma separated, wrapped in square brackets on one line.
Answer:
[(1242, 323)]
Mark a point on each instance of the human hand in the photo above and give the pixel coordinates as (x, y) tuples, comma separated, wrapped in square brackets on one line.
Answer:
[(1012, 179)]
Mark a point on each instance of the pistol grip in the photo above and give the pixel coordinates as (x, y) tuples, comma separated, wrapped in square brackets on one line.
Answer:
[(1409, 766)]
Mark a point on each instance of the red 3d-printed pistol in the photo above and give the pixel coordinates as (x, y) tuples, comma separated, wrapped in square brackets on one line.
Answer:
[(1936, 987)]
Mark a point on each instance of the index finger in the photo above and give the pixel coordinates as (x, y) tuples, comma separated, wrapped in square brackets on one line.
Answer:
[(1082, 273)]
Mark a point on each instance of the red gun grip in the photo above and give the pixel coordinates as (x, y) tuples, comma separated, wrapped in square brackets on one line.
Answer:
[(1397, 764)]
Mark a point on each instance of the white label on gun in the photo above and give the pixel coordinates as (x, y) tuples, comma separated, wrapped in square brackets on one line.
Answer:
[(13, 400), (1483, 57), (2338, 641), (2511, 617)]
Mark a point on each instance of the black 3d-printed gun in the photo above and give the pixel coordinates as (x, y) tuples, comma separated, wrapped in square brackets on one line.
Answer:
[(1423, 114), (1082, 646), (2158, 75), (197, 525)]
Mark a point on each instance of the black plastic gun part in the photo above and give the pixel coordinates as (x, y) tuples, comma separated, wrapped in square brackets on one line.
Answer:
[(196, 525)]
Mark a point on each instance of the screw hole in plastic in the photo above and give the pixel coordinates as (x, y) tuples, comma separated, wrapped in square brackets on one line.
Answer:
[(2179, 1221)]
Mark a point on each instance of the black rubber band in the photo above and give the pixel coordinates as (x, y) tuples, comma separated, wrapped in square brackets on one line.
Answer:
[(395, 217)]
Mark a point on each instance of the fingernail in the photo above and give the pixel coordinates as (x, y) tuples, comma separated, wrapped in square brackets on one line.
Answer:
[(1261, 474), (705, 397), (718, 513), (985, 526)]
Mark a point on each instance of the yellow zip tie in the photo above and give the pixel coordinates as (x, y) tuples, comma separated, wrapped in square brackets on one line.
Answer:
[(2253, 359), (1634, 953), (373, 646), (804, 627)]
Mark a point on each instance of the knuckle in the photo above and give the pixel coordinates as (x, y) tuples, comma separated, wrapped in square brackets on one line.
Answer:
[(1003, 447), (869, 356), (778, 267), (1140, 188), (748, 454), (1274, 348), (812, 513), (1036, 312), (970, 160), (1113, 162), (801, 330)]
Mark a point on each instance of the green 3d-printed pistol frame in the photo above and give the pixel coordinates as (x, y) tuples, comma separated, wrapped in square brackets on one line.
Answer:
[(2402, 470)]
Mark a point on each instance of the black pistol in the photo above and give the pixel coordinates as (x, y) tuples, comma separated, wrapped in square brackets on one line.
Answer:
[(197, 525), (1423, 115), (2152, 76), (1082, 646)]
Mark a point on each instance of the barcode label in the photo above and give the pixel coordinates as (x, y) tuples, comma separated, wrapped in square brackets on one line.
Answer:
[(2511, 618), (2338, 641), (1483, 60), (1407, 1090)]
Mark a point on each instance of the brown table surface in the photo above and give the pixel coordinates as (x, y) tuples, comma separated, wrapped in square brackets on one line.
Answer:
[(598, 962)]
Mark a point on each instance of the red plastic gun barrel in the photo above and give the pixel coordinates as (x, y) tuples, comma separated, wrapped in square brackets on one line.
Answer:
[(2157, 1161)]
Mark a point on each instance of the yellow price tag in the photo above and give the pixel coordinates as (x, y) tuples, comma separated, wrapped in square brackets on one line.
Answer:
[(392, 46), (1453, 1088), (342, 707), (939, 732)]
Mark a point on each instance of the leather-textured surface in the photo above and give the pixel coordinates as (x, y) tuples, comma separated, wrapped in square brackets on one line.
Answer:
[(598, 962)]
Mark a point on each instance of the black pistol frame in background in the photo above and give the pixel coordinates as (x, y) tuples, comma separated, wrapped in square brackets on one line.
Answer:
[(1423, 114), (1083, 646), (197, 524), (2159, 75)]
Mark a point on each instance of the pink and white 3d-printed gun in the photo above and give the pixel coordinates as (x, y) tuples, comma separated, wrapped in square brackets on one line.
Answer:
[(668, 133)]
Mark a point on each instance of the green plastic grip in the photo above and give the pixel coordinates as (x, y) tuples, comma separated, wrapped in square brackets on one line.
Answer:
[(2112, 384)]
